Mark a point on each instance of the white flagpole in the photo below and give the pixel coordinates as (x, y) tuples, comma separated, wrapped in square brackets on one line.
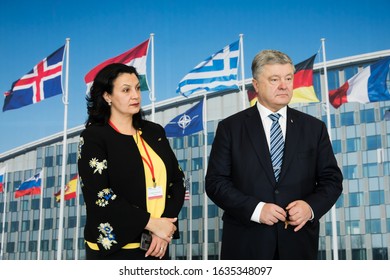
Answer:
[(152, 93), (190, 214), (205, 200), (64, 155), (242, 71), (333, 210), (4, 209), (76, 236), (42, 174)]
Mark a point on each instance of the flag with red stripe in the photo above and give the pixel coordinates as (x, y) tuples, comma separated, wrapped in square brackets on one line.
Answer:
[(303, 82), (43, 81)]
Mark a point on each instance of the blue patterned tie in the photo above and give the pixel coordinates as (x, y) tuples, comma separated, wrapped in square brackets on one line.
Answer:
[(276, 144)]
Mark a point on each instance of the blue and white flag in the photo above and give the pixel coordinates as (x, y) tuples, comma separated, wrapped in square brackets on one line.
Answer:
[(42, 82), (216, 73), (191, 121)]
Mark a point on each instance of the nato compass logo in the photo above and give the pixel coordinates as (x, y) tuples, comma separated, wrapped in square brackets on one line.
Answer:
[(185, 121)]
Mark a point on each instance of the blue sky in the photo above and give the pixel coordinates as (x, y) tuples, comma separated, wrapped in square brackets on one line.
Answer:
[(186, 32)]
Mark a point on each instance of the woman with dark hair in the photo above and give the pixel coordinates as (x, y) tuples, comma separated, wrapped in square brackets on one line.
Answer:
[(131, 180)]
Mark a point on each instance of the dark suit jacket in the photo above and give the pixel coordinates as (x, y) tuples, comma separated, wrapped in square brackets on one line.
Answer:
[(123, 208), (240, 175)]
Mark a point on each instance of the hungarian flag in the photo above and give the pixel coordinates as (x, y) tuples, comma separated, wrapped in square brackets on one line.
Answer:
[(303, 82), (135, 57), (70, 190), (369, 85)]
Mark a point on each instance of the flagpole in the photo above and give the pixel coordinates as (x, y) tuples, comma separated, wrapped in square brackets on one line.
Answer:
[(42, 174), (77, 219), (4, 209), (152, 94), (64, 155), (242, 70), (205, 200), (333, 209), (190, 213)]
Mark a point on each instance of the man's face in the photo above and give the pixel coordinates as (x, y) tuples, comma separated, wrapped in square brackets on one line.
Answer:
[(274, 85)]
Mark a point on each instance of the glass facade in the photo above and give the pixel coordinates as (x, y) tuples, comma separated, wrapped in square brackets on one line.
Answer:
[(360, 138)]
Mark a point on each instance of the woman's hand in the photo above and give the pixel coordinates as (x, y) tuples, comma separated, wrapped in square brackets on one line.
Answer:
[(158, 247), (162, 227)]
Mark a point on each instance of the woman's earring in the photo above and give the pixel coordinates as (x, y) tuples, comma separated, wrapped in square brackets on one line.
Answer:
[(109, 103)]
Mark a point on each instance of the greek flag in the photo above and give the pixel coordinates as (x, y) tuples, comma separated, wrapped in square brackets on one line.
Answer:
[(216, 73)]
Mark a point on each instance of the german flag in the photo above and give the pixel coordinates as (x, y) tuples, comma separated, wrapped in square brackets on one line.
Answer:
[(303, 82), (252, 97), (70, 190)]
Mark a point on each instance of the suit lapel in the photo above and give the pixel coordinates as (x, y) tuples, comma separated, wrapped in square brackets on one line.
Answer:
[(255, 130), (292, 139)]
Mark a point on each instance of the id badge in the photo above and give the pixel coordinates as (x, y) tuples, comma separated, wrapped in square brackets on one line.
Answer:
[(146, 239), (155, 192)]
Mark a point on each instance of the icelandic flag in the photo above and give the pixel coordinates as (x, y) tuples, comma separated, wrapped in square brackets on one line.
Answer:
[(191, 121), (43, 81), (135, 57), (31, 186), (369, 85), (216, 73), (2, 175)]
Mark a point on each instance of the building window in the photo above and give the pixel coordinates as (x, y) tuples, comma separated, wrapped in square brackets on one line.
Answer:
[(359, 254), (35, 225), (13, 206), (193, 140), (212, 211), (183, 164), (197, 163), (367, 116), (374, 142), (14, 226), (353, 144), (197, 212), (379, 254), (350, 171), (32, 246), (355, 199), (178, 143), (72, 222), (377, 197), (336, 144), (35, 204), (46, 203), (22, 246), (370, 170), (340, 201), (48, 223), (26, 225), (352, 227), (373, 226), (68, 244), (347, 118), (45, 245), (10, 247)]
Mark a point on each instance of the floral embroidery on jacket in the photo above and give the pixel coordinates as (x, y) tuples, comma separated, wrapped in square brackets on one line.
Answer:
[(81, 143), (107, 237), (104, 196), (99, 166)]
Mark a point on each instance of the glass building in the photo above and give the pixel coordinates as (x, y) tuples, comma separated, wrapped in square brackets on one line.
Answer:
[(360, 136)]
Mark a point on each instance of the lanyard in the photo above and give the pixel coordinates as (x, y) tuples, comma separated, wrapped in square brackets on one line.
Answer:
[(148, 163)]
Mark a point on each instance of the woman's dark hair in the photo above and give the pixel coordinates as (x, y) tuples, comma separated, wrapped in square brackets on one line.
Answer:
[(98, 110)]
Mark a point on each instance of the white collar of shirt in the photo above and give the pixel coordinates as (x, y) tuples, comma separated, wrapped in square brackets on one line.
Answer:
[(267, 122)]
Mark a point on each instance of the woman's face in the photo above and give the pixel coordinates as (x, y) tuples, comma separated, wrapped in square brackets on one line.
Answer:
[(126, 95)]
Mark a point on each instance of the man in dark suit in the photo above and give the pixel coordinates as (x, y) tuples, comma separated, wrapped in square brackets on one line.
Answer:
[(273, 195)]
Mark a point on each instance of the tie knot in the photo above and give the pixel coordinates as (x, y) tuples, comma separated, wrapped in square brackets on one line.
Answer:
[(274, 117)]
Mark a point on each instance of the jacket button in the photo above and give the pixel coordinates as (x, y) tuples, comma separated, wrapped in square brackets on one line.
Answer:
[(276, 191)]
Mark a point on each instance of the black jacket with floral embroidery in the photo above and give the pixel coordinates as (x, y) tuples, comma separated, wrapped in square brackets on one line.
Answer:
[(113, 184)]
